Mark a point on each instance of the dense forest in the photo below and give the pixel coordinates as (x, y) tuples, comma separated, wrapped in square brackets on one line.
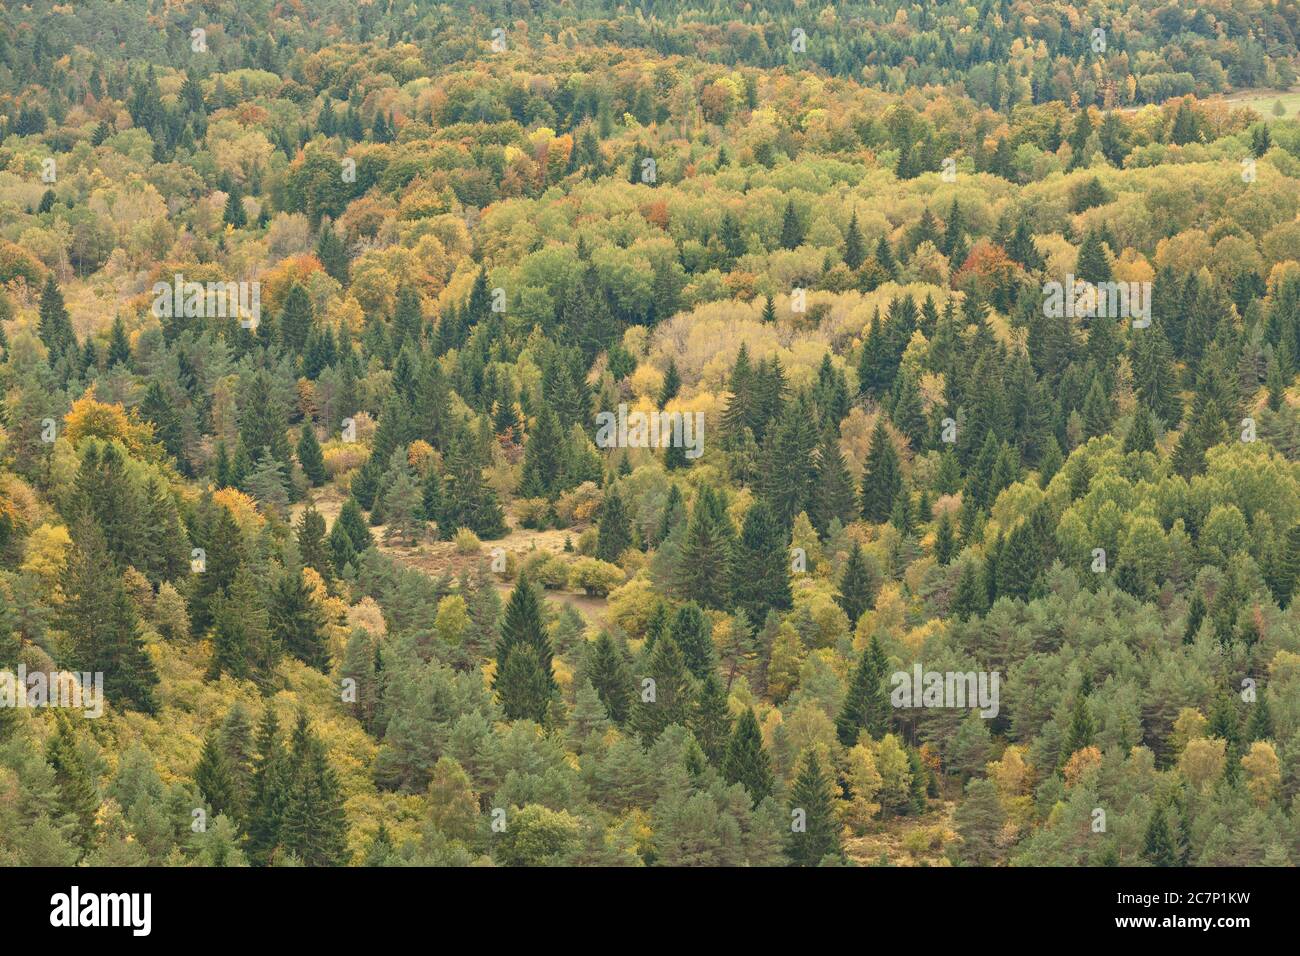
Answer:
[(333, 527)]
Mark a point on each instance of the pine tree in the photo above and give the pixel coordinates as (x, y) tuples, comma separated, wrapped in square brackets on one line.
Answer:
[(666, 692), (854, 247), (792, 231), (866, 705), (310, 456), (692, 633), (525, 679), (833, 494), (609, 675), (614, 535), (297, 621), (882, 477), (815, 830), (746, 762), (760, 579), (75, 796), (214, 779), (945, 544), (710, 720)]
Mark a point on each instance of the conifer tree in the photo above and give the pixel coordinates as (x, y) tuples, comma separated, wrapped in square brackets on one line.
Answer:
[(525, 679), (792, 231), (857, 589), (710, 720), (104, 635), (609, 675), (313, 550), (866, 705), (746, 762), (833, 495), (1081, 729), (945, 544), (666, 695), (243, 644), (854, 247), (614, 535), (55, 326), (705, 574), (760, 579), (270, 789), (313, 827), (310, 455), (1157, 845), (75, 797), (297, 621), (882, 478), (693, 635), (214, 779), (815, 830)]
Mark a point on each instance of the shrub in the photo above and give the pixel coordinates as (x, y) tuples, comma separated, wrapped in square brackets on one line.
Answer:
[(596, 578)]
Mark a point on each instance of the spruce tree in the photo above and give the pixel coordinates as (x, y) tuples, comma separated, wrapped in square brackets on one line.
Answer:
[(614, 535), (791, 228), (214, 779), (815, 829), (692, 633), (75, 796), (525, 679), (866, 705), (882, 477), (270, 789), (706, 569), (666, 695), (857, 589), (310, 456), (945, 543), (746, 762), (760, 578), (609, 674), (854, 247), (297, 621), (313, 827), (833, 494), (710, 720)]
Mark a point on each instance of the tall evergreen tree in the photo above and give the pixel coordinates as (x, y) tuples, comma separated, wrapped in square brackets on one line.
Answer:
[(815, 829), (882, 478)]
